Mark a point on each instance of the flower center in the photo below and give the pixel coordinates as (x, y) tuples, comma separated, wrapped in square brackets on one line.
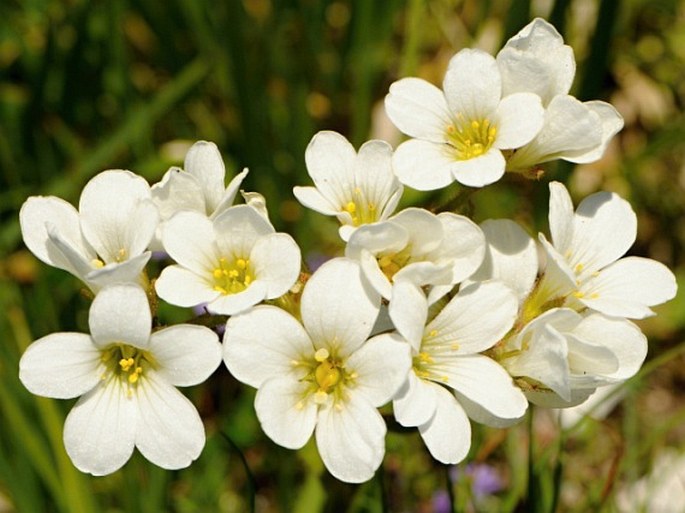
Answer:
[(231, 277), (471, 138), (391, 263), (127, 363), (360, 208)]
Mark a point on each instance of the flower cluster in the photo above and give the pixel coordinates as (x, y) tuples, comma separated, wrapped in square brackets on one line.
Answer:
[(425, 314)]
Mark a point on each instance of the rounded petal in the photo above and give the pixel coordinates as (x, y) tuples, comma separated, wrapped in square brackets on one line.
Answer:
[(310, 197), (263, 343), (330, 160), (169, 431), (179, 286), (448, 434), (424, 230), (381, 365), (379, 237), (375, 177), (475, 319), (189, 239), (476, 376), (285, 413), (628, 287), (238, 229), (65, 255), (231, 304), (187, 354), (612, 123), (276, 261), (128, 271), (351, 440), (560, 217), (230, 193), (511, 257), (519, 118), (472, 84), (463, 243), (111, 214), (100, 430), (338, 307), (120, 314), (61, 365), (177, 191), (418, 109), (408, 310), (37, 214), (424, 165), (477, 413), (204, 162), (415, 402), (480, 171)]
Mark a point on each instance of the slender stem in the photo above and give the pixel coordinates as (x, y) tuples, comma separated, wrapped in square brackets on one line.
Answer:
[(251, 482)]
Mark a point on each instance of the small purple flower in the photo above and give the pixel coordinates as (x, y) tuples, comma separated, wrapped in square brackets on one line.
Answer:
[(485, 479), (441, 502)]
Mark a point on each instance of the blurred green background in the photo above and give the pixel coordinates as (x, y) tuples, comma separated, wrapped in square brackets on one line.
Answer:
[(92, 85)]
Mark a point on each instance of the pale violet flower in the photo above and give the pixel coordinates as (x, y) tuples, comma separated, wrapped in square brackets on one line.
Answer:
[(459, 133), (104, 241), (413, 250), (584, 264), (231, 262), (127, 378), (356, 188), (451, 381), (536, 60), (571, 355), (321, 375)]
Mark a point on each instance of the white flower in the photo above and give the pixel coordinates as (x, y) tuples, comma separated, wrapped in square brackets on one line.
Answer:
[(231, 262), (412, 250), (322, 375), (356, 188), (127, 378), (572, 354), (199, 187), (584, 264), (536, 60), (459, 134), (105, 240), (447, 356)]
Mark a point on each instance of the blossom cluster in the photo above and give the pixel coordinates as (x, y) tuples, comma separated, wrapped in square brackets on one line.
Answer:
[(445, 320)]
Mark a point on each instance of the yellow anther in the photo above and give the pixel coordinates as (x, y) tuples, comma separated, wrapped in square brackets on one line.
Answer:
[(444, 379), (248, 279), (454, 347), (126, 363), (433, 333), (320, 397), (241, 264), (475, 124), (338, 406), (579, 294), (220, 289), (384, 261), (425, 357), (133, 378), (97, 263), (351, 207), (299, 405), (121, 255), (321, 354), (579, 268), (594, 295), (218, 273), (327, 375)]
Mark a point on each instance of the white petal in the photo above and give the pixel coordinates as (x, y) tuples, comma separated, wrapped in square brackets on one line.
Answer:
[(424, 165), (169, 432), (448, 434), (472, 84), (238, 229), (265, 342), (330, 160), (408, 310), (381, 365), (229, 194), (478, 413), (418, 109), (276, 260), (35, 215), (60, 365), (511, 257), (378, 237), (187, 354), (375, 177), (129, 271), (463, 243), (63, 254), (372, 273), (480, 171), (519, 118), (350, 440), (415, 402), (177, 191), (179, 286), (338, 308), (476, 376), (423, 227), (100, 430), (475, 319), (628, 287), (204, 162), (109, 206), (612, 123), (310, 197), (285, 412), (560, 217), (189, 238), (120, 314), (231, 304)]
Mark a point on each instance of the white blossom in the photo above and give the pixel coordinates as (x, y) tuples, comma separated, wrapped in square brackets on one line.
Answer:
[(356, 188), (126, 377), (231, 262), (104, 241), (321, 375), (459, 133)]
